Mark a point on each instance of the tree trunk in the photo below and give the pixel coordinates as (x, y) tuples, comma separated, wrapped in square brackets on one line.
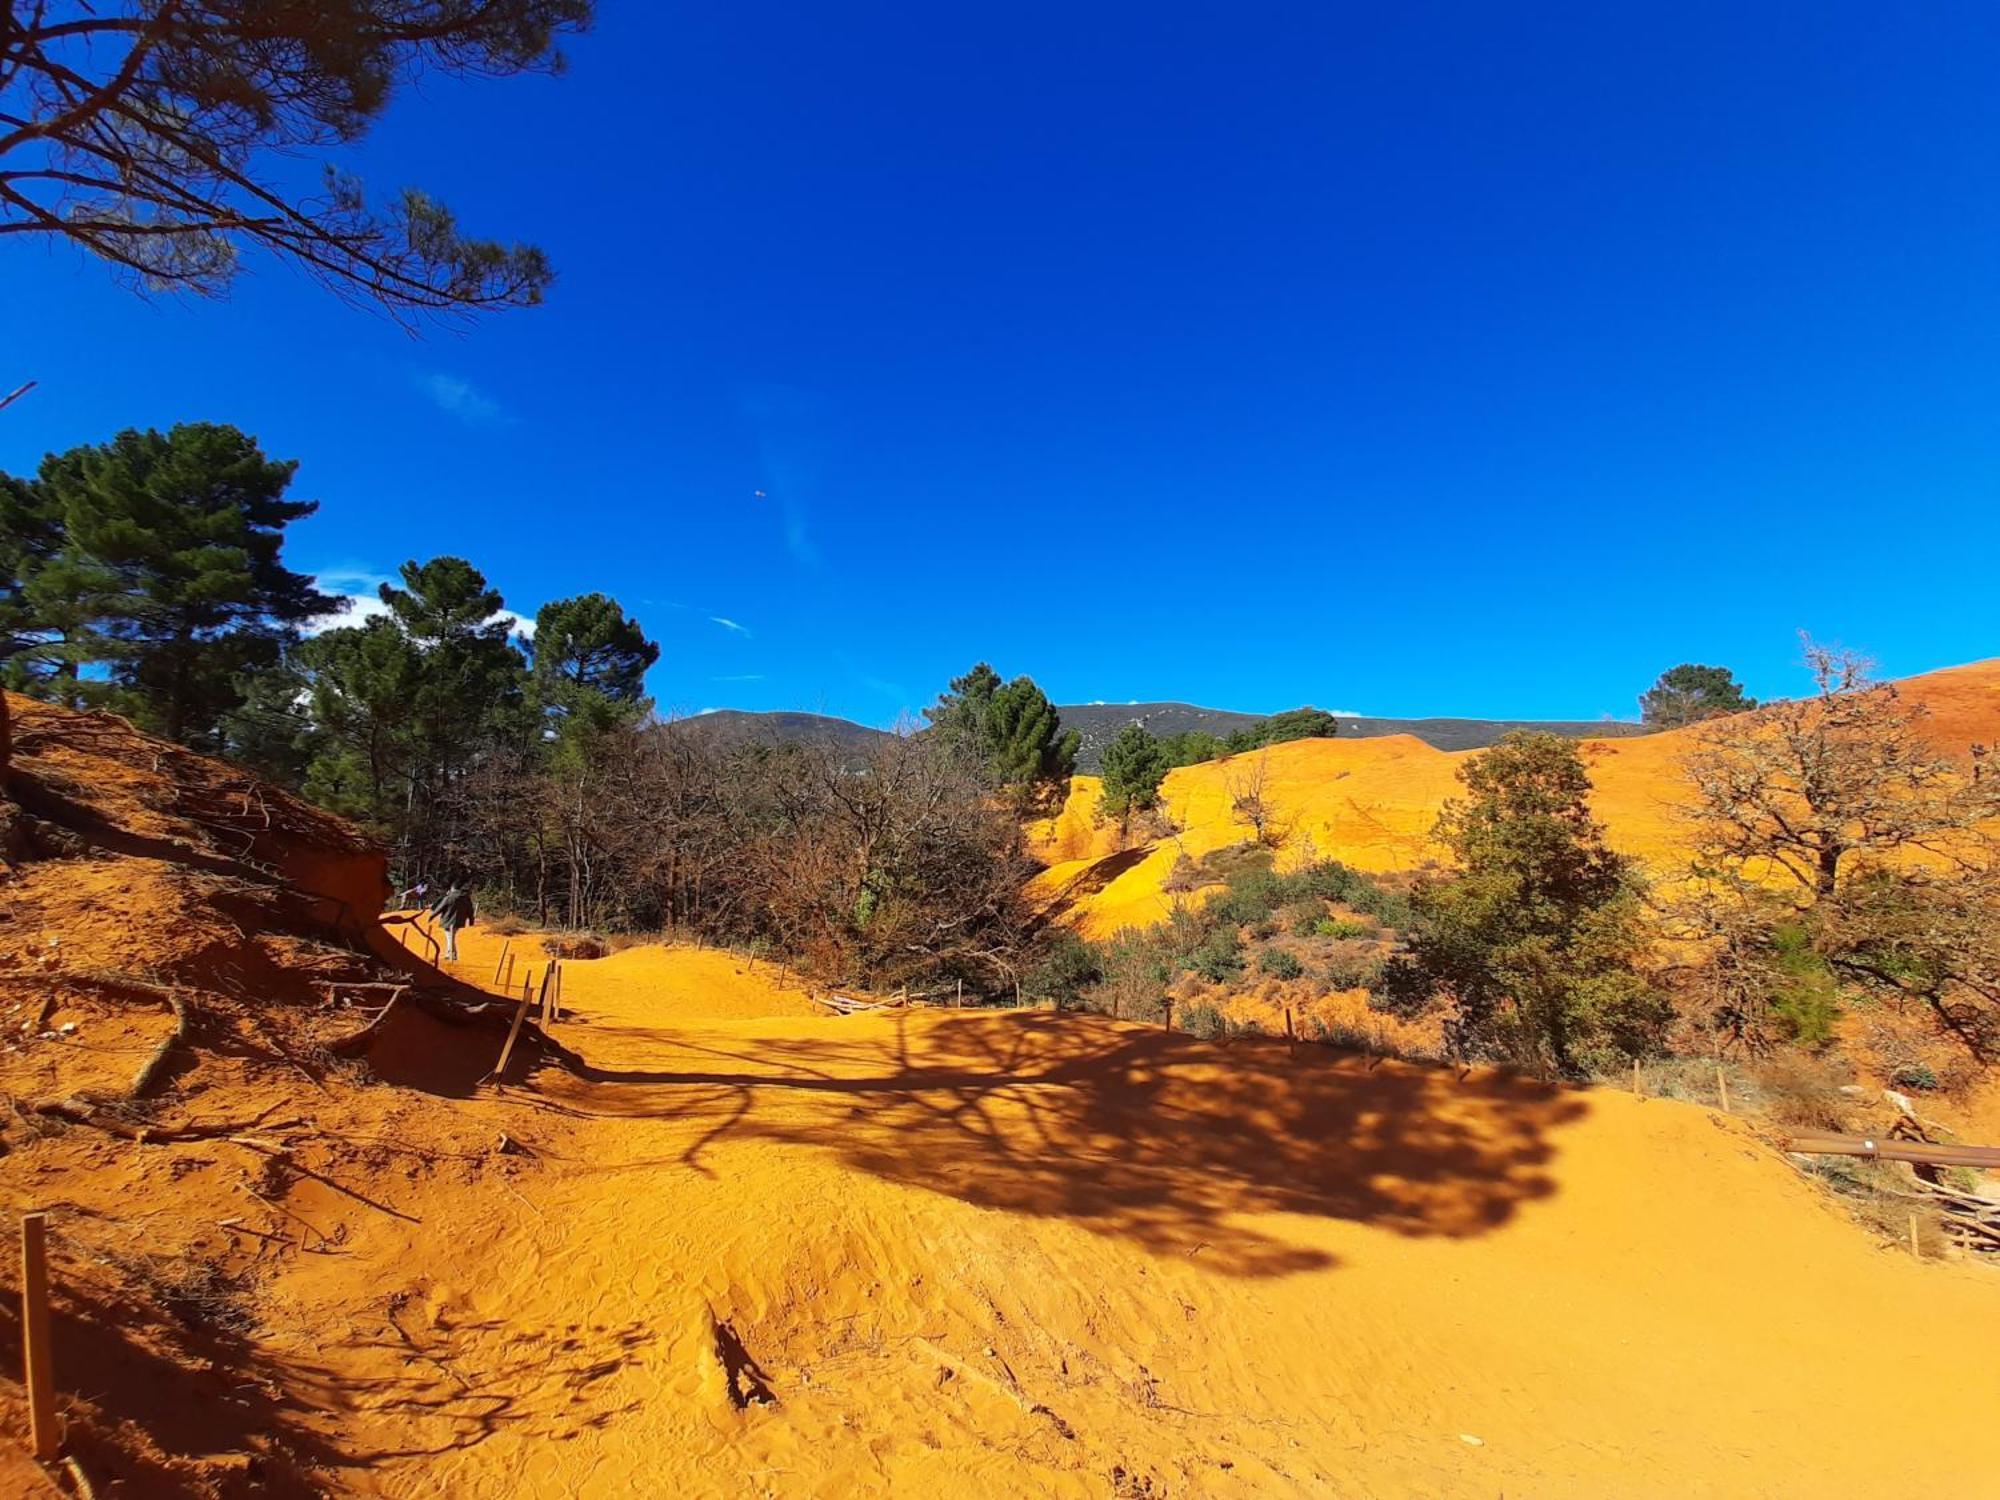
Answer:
[(1829, 870)]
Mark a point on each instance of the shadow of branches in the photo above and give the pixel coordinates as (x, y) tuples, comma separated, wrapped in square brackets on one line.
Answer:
[(1150, 1136)]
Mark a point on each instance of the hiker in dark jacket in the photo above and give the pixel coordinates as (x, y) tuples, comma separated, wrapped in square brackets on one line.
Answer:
[(453, 910)]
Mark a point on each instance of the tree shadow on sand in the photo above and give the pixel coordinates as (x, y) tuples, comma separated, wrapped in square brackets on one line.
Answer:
[(1140, 1134), (187, 1400)]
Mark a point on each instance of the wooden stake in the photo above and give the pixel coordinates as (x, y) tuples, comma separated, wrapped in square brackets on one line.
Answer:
[(1170, 1013), (1722, 1087), (1637, 1087), (509, 943), (1291, 1037), (37, 1345), (960, 1004), (507, 984), (1916, 1249), (520, 1015)]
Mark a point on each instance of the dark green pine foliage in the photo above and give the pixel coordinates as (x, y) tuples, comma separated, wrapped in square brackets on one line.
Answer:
[(1292, 724), (590, 663), (470, 692), (364, 682), (1537, 942), (959, 717), (180, 535), (1687, 694), (1134, 765), (1025, 744), (1011, 730)]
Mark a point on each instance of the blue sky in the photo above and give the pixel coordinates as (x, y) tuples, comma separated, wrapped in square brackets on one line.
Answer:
[(1405, 359)]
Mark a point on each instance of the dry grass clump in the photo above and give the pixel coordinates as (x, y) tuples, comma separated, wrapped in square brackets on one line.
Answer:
[(1803, 1090), (577, 945)]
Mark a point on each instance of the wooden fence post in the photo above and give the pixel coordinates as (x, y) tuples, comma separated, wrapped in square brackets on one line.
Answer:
[(1637, 1088), (509, 943), (1170, 1012), (1722, 1087), (1291, 1037), (36, 1343), (507, 1051)]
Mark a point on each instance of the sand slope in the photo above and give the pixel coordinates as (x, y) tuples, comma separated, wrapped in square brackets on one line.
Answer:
[(706, 1243), (1023, 1254), (1372, 802)]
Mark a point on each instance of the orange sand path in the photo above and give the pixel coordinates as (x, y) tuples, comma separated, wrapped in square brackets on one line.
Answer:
[(1020, 1254)]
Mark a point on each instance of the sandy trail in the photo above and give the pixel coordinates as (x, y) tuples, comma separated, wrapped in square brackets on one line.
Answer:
[(1020, 1254)]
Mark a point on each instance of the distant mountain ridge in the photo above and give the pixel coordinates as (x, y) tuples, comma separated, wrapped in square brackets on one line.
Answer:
[(1097, 723)]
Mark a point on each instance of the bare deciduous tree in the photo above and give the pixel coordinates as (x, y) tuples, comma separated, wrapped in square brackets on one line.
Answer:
[(1838, 847), (1246, 785)]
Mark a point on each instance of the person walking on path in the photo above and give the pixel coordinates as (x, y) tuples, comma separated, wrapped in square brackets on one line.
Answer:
[(453, 910)]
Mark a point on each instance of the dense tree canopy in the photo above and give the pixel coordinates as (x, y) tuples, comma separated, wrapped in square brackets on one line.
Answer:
[(1009, 729), (1535, 942), (1687, 694), (1133, 767), (150, 133), (168, 572)]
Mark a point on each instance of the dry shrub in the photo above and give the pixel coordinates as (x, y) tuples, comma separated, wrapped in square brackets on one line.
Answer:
[(1904, 1050), (1802, 1090), (507, 926), (577, 945), (1184, 876)]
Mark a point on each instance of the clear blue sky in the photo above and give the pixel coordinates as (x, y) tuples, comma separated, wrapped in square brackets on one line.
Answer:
[(1404, 359)]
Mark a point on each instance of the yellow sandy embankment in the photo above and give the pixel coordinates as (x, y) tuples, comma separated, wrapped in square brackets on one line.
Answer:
[(1024, 1254), (1372, 803)]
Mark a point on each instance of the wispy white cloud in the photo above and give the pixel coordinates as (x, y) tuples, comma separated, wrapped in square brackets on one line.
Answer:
[(461, 399), (357, 589), (739, 677), (728, 624)]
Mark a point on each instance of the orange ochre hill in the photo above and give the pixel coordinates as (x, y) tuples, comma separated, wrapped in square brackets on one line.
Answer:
[(704, 1240), (1372, 802)]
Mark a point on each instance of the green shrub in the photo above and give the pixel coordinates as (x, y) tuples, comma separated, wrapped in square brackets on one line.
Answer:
[(1067, 968), (1353, 973), (1805, 997), (1336, 927), (1278, 962), (1219, 957), (1253, 895), (1916, 1078), (1303, 917), (1201, 1019)]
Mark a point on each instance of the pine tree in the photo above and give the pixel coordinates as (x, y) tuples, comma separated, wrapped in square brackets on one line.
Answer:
[(55, 598), (1687, 694), (181, 534), (1025, 745), (469, 695), (590, 663), (363, 682), (958, 718), (1134, 765), (1011, 731)]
